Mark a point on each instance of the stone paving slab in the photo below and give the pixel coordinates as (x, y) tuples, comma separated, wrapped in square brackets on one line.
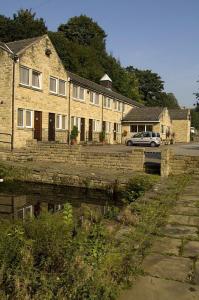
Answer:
[(168, 267), (150, 288), (187, 203), (188, 211), (184, 220), (180, 231), (191, 249), (165, 245)]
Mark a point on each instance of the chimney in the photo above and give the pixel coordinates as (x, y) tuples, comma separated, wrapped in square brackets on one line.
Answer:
[(106, 82)]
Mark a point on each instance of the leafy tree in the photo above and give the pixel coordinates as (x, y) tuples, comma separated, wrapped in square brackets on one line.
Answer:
[(84, 31), (23, 25), (195, 118)]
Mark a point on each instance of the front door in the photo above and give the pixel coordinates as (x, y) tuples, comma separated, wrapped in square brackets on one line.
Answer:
[(90, 130), (51, 127), (82, 130), (38, 125), (115, 132)]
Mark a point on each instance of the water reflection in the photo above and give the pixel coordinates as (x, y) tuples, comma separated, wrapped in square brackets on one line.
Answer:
[(40, 198)]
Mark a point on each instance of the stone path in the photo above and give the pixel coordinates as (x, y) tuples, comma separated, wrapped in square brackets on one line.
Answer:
[(172, 269)]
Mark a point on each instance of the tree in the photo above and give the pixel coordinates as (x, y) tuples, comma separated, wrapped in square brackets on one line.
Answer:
[(23, 25), (84, 31)]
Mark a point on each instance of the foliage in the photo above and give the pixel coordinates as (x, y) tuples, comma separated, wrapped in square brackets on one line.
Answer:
[(137, 186), (195, 118), (74, 133), (45, 258), (102, 136), (23, 25)]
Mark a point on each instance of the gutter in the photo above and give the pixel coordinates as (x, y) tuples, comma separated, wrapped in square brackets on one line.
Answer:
[(14, 59)]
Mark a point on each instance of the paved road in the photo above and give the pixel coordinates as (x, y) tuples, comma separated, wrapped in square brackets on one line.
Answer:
[(182, 149)]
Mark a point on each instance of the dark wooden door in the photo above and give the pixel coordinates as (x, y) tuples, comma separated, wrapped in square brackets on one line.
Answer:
[(51, 127), (38, 125), (115, 132), (90, 130), (82, 130)]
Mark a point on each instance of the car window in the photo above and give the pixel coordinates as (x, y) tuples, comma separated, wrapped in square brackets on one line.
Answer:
[(147, 134), (138, 135)]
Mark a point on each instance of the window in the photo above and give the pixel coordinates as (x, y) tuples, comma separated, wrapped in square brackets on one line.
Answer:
[(78, 92), (108, 127), (133, 128), (118, 128), (96, 125), (147, 134), (81, 93), (149, 127), (118, 106), (24, 75), (62, 87), (141, 128), (107, 102), (94, 98), (29, 115), (36, 79), (60, 122), (29, 77), (53, 85), (76, 121), (20, 120)]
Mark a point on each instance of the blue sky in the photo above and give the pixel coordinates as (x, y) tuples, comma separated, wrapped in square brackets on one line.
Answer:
[(161, 35)]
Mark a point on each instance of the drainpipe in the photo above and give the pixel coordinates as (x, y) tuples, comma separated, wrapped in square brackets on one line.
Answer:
[(14, 59), (69, 99)]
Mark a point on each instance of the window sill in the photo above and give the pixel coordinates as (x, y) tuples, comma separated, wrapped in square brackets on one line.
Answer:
[(107, 108), (61, 130), (24, 128), (30, 87), (93, 104), (57, 95), (79, 100)]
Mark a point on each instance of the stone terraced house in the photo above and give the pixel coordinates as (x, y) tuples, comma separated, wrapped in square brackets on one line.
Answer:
[(41, 100)]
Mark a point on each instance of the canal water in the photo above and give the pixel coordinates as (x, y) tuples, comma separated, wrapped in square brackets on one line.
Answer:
[(19, 200)]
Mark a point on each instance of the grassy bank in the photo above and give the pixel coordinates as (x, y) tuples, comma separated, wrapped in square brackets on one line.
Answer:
[(92, 257)]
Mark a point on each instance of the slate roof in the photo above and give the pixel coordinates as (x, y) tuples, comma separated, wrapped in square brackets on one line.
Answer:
[(20, 45), (179, 114), (144, 114), (101, 89)]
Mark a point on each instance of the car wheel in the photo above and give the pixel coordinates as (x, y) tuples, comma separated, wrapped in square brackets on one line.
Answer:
[(153, 144), (129, 143)]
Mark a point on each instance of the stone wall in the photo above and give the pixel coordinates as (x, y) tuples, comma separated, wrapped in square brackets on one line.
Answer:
[(181, 128), (172, 164), (75, 155)]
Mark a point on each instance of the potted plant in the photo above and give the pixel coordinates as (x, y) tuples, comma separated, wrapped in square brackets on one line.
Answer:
[(102, 136), (124, 133), (73, 135)]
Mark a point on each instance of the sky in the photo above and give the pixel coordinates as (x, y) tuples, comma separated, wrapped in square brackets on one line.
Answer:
[(161, 35)]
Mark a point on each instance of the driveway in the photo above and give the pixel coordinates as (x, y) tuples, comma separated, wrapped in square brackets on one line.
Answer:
[(181, 149)]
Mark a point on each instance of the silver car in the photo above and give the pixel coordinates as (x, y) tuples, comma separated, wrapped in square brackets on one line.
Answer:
[(147, 138)]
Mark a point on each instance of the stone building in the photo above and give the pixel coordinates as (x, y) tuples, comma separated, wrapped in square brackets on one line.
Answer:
[(181, 124), (148, 119), (41, 100)]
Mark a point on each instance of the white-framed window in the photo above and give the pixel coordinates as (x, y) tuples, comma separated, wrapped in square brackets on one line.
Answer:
[(62, 87), (20, 117), (94, 98), (61, 121), (24, 118), (118, 128), (29, 118), (57, 86), (118, 106), (96, 125), (76, 121), (108, 127), (30, 78), (78, 92), (53, 85), (36, 79), (24, 75), (107, 102)]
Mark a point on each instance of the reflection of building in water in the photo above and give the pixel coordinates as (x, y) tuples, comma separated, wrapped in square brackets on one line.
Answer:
[(22, 207)]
